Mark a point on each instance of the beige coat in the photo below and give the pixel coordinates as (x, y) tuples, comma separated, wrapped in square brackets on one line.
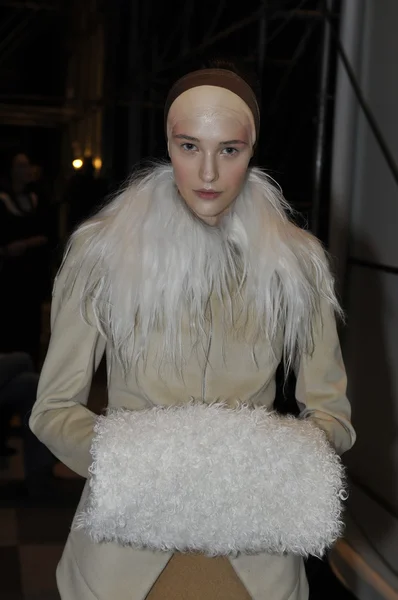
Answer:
[(225, 370)]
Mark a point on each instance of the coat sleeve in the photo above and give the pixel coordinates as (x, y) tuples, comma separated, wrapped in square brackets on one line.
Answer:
[(60, 417), (322, 383)]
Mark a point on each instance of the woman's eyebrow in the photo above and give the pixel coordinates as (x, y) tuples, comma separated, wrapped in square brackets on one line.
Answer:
[(233, 142), (190, 138), (182, 136)]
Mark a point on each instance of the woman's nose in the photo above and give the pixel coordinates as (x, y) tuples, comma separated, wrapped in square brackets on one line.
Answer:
[(208, 169)]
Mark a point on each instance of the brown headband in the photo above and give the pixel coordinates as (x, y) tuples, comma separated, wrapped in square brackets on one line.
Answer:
[(218, 78)]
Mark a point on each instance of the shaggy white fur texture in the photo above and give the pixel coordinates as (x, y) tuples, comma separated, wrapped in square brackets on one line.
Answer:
[(215, 480), (147, 264)]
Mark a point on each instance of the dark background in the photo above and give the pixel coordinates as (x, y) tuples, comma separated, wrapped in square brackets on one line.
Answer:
[(146, 45)]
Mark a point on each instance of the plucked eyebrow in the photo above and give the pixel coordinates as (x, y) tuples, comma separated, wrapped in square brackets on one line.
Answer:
[(189, 138), (233, 142), (182, 136)]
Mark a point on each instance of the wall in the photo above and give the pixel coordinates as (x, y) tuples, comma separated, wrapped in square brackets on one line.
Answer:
[(364, 239)]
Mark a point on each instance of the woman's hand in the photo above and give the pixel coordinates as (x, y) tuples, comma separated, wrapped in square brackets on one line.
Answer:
[(17, 248), (36, 241)]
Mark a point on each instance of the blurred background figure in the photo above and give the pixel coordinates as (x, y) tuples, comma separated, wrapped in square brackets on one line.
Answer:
[(18, 387), (24, 259)]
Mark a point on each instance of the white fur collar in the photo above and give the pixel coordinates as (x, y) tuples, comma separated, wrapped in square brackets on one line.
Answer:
[(148, 261)]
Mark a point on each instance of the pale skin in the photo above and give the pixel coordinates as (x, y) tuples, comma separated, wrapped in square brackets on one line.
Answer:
[(211, 135)]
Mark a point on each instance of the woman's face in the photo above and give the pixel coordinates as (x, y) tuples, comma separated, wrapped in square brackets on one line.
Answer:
[(210, 140)]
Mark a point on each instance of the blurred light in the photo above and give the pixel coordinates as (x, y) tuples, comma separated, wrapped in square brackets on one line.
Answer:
[(77, 163), (97, 162)]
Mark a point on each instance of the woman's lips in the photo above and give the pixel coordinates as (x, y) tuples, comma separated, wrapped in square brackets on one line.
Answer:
[(207, 194)]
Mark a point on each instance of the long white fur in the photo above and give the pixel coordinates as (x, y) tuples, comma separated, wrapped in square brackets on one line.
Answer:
[(146, 261), (214, 480)]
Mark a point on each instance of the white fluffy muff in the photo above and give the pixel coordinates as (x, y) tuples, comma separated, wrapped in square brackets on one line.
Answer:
[(210, 479)]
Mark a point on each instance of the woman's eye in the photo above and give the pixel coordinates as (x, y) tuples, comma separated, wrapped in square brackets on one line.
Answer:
[(230, 151), (188, 147)]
